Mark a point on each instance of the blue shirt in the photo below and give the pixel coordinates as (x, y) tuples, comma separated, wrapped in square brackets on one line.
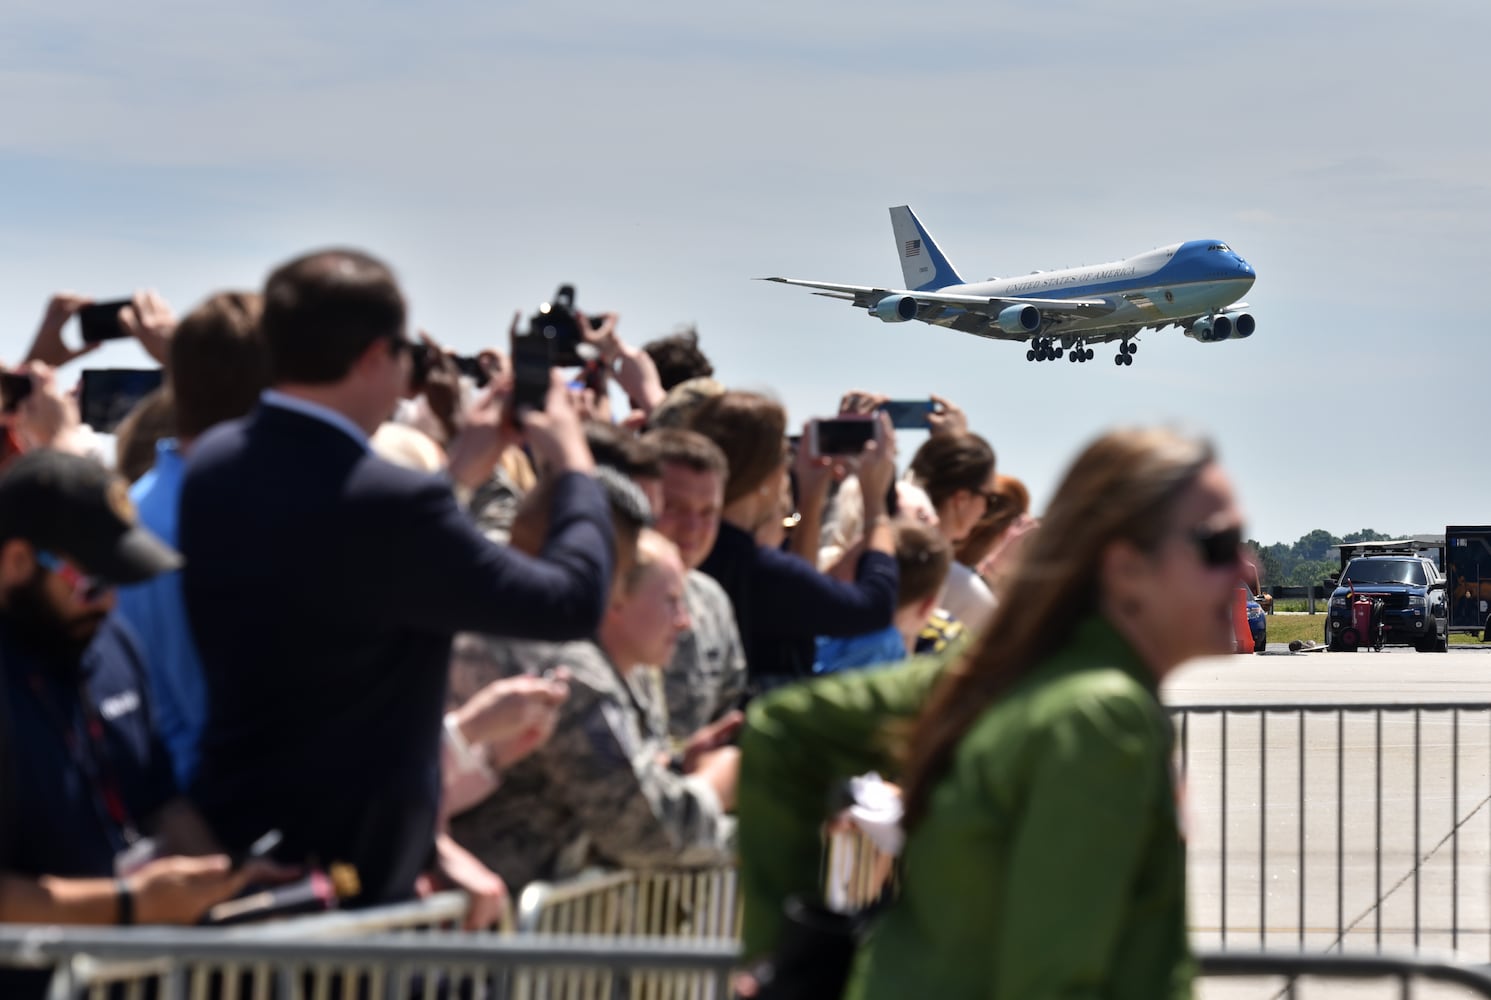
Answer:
[(62, 774), (854, 652), (157, 613)]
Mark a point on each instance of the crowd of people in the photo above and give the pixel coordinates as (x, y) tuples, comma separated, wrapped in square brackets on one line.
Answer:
[(332, 599)]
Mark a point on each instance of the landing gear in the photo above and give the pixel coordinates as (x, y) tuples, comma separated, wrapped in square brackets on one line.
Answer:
[(1126, 352), (1044, 349), (1080, 353)]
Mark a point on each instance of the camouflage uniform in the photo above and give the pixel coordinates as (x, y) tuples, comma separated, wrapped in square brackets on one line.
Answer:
[(708, 673), (599, 790), (494, 505)]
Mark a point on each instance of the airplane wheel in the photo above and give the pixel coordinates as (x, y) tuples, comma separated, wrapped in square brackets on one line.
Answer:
[(1128, 359), (1133, 348), (1030, 355), (1058, 354), (1087, 355), (1118, 359)]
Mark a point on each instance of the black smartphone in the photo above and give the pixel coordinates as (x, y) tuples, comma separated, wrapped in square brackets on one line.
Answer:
[(108, 394), (532, 357), (472, 368), (14, 388), (841, 435), (100, 321), (908, 414)]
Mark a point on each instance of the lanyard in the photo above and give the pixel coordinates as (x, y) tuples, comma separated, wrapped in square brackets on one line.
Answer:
[(93, 761)]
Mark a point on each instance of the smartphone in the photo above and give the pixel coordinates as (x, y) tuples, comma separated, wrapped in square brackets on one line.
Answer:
[(909, 414), (14, 388), (100, 321), (108, 394), (472, 368), (532, 357), (846, 435)]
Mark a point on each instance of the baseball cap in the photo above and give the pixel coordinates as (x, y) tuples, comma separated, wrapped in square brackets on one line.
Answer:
[(72, 506)]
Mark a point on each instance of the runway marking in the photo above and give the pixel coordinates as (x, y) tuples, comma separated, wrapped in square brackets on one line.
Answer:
[(1337, 943)]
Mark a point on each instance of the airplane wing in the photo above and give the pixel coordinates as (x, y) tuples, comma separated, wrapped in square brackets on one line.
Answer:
[(865, 296)]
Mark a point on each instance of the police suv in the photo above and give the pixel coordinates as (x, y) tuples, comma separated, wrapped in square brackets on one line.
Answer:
[(1413, 610)]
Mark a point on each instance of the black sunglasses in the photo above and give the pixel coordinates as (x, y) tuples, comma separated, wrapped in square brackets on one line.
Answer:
[(1220, 547)]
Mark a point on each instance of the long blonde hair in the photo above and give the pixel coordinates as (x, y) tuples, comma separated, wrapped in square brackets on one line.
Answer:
[(1123, 486)]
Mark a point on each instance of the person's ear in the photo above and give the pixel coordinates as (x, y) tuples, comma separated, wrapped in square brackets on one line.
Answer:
[(17, 564)]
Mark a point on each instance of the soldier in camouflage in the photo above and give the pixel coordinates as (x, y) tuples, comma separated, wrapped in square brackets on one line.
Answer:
[(707, 675), (604, 789)]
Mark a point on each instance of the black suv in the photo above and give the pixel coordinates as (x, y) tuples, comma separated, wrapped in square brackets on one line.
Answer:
[(1411, 589)]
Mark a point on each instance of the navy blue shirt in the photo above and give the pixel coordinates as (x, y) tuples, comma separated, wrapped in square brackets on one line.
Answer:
[(61, 773), (783, 603)]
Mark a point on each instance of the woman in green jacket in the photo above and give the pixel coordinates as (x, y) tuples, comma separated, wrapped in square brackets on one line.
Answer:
[(1044, 857)]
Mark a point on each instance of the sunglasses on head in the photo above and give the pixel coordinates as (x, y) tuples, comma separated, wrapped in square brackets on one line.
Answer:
[(84, 587), (1218, 547)]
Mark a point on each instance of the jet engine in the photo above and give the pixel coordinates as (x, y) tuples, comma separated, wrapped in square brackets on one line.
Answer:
[(1226, 326), (1019, 319), (895, 309)]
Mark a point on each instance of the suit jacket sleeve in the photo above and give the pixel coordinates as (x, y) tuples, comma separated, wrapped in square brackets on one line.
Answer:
[(448, 577)]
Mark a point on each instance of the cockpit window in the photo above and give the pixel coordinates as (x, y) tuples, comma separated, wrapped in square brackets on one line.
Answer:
[(1220, 247)]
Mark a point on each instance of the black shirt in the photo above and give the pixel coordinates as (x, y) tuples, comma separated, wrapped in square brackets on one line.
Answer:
[(782, 603)]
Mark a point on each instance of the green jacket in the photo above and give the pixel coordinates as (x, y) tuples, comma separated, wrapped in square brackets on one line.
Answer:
[(1049, 863)]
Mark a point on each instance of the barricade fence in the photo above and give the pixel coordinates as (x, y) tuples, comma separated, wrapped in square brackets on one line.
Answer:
[(1361, 977), (1345, 827), (207, 963), (695, 906), (197, 964)]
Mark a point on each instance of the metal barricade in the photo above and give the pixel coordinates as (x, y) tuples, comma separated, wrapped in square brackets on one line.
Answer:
[(1413, 976), (202, 963), (696, 906), (91, 976), (1335, 827)]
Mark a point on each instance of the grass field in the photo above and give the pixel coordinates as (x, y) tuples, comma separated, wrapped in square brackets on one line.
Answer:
[(1282, 629)]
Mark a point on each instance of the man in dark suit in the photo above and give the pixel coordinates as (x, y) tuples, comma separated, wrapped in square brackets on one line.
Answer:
[(323, 584)]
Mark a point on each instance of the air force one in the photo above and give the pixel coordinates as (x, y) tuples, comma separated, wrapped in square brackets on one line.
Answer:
[(1193, 285)]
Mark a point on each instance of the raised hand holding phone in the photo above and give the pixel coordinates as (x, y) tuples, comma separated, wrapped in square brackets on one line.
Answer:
[(47, 346)]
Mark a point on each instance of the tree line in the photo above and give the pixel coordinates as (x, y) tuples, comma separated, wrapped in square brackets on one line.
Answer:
[(1308, 560)]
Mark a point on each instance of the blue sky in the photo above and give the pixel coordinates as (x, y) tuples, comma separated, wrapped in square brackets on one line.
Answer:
[(659, 156)]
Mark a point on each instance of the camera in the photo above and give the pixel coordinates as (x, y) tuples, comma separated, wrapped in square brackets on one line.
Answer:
[(553, 340), (555, 322)]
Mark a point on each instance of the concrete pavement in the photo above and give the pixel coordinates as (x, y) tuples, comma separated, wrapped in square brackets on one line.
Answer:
[(1323, 830)]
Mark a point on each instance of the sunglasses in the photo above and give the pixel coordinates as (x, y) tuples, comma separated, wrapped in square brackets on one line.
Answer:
[(84, 587), (1220, 547)]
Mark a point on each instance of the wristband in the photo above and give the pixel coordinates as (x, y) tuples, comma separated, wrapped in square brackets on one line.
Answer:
[(124, 901), (468, 758)]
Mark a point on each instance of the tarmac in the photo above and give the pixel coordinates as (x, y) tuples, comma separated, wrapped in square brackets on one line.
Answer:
[(1355, 831)]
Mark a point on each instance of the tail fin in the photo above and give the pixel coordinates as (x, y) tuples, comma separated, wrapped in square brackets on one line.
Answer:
[(922, 264)]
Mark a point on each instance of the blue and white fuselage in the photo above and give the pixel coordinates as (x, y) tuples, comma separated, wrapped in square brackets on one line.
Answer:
[(1195, 285)]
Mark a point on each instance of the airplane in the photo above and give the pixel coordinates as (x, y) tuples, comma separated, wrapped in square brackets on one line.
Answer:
[(1193, 285)]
